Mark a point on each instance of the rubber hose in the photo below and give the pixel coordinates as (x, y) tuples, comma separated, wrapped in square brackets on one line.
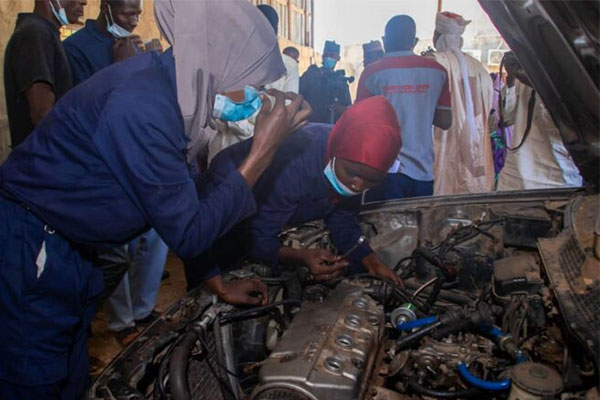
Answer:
[(178, 367), (443, 394), (491, 330), (496, 335), (407, 326), (409, 339), (481, 383)]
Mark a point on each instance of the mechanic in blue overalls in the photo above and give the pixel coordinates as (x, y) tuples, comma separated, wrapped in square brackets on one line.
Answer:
[(318, 173), (112, 160)]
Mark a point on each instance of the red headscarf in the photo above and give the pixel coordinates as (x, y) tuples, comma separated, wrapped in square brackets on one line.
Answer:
[(368, 133)]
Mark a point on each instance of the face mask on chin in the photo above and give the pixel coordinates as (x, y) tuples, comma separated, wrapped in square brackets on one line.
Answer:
[(115, 29), (227, 110), (61, 14), (329, 63), (338, 186)]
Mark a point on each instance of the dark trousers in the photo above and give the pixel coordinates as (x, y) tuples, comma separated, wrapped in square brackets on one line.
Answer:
[(48, 295), (399, 186)]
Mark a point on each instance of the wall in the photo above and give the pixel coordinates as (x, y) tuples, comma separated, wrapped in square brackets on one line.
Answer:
[(9, 9)]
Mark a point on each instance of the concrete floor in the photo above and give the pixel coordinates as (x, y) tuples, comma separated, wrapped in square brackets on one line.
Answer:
[(104, 346)]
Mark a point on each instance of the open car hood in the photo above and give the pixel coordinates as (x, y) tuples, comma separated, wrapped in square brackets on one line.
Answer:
[(557, 42)]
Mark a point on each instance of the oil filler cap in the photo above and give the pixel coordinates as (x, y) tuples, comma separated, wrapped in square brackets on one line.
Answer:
[(537, 379)]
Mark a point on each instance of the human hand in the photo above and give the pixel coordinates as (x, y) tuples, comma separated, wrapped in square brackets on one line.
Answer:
[(375, 266), (244, 291), (322, 264), (128, 47), (275, 121), (153, 45), (273, 124)]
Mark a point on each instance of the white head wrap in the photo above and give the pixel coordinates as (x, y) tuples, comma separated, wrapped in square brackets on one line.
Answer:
[(450, 28), (219, 46)]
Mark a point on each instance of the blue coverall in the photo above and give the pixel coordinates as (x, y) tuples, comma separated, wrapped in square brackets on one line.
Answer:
[(90, 51), (293, 190), (106, 164)]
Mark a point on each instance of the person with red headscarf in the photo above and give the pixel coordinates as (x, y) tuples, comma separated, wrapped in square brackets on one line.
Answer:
[(317, 173)]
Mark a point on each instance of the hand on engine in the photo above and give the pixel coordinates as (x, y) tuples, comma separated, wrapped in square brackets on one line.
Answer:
[(324, 265), (375, 266), (243, 291)]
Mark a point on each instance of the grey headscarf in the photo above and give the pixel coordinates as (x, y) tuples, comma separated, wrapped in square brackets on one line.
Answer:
[(219, 46)]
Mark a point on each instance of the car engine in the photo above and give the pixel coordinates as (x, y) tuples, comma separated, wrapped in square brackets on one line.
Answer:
[(327, 351), (500, 301)]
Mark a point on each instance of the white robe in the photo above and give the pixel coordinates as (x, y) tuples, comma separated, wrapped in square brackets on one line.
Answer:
[(464, 163), (542, 161)]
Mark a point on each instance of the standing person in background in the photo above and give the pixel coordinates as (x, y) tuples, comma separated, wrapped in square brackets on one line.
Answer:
[(293, 53), (290, 82), (417, 87), (105, 40), (538, 158), (372, 51), (464, 160), (36, 69), (325, 88), (236, 131)]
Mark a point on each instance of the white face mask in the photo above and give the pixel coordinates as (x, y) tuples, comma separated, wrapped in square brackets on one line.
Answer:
[(115, 29), (61, 14)]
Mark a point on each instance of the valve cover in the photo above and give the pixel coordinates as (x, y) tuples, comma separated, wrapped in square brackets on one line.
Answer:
[(328, 351)]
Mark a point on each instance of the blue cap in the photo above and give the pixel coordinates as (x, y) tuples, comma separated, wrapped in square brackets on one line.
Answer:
[(331, 47)]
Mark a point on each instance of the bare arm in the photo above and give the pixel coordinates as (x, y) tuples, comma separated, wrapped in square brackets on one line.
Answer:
[(40, 98), (442, 119)]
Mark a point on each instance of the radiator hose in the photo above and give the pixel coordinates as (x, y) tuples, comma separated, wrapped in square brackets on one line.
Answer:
[(178, 367)]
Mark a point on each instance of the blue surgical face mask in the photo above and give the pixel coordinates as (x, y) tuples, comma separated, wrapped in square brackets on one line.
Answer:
[(339, 187), (61, 14), (329, 63), (227, 110), (113, 28)]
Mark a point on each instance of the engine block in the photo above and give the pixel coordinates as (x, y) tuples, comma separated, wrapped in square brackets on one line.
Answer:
[(328, 351)]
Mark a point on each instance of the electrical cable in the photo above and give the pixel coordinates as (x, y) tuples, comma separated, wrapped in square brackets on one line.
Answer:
[(425, 285), (443, 394), (435, 293)]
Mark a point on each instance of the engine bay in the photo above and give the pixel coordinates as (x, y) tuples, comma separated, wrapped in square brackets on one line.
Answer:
[(500, 301)]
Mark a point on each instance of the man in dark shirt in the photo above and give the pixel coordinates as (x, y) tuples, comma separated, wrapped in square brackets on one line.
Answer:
[(326, 89), (36, 70), (105, 40)]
